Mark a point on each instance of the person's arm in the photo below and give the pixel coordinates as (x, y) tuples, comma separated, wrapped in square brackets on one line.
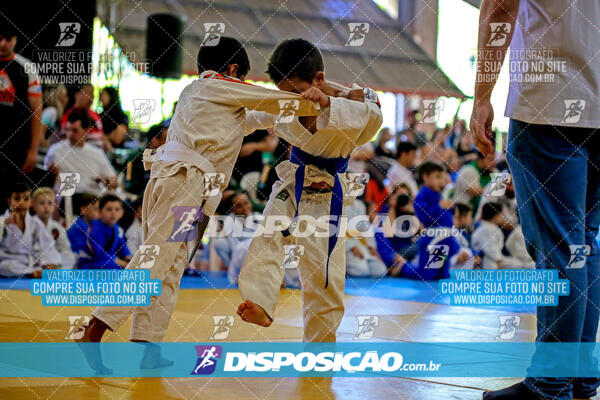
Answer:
[(35, 104), (232, 92), (358, 121), (489, 62)]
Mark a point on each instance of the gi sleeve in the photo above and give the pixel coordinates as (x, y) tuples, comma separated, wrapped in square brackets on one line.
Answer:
[(223, 90), (46, 251), (258, 120), (356, 120)]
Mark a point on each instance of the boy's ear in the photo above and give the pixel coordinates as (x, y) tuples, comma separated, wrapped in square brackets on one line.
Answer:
[(232, 70), (319, 78)]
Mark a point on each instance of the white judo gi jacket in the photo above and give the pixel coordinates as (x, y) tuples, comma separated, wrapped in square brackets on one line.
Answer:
[(341, 128), (204, 139)]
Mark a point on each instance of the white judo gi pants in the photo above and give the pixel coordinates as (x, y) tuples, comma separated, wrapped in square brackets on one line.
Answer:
[(150, 323), (262, 273)]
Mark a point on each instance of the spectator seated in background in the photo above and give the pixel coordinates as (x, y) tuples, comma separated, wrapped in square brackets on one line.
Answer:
[(134, 232), (137, 177), (250, 158), (84, 97), (236, 229), (55, 101), (517, 249), (362, 258), (26, 247), (114, 120), (107, 247), (397, 246), (472, 179), (74, 155), (463, 221), (506, 200), (430, 208), (381, 150), (488, 239), (401, 170), (78, 232), (44, 205)]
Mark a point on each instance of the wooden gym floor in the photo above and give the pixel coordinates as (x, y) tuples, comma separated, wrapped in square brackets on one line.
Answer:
[(24, 319)]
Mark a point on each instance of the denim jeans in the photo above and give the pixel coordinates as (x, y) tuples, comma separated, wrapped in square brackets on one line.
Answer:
[(556, 175)]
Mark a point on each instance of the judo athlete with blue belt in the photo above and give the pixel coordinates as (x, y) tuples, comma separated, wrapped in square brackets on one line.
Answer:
[(312, 183)]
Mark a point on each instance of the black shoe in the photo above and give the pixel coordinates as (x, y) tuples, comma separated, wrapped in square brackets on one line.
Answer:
[(514, 392)]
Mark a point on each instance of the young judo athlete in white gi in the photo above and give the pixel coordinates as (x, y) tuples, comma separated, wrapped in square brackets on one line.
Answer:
[(204, 139), (312, 183)]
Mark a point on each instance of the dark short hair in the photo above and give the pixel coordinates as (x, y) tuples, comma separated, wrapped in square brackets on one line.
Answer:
[(462, 209), (109, 198), (295, 58), (155, 130), (84, 200), (19, 187), (80, 114), (490, 210), (217, 58), (429, 167), (405, 147)]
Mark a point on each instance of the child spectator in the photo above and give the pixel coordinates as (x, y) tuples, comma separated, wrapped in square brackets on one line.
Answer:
[(489, 239), (397, 247), (401, 170), (233, 226), (44, 205), (463, 221), (430, 208), (77, 233), (362, 258), (25, 245), (134, 232), (515, 244), (106, 243)]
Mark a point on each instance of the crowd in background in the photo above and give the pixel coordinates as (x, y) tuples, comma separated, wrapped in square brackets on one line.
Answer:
[(431, 181)]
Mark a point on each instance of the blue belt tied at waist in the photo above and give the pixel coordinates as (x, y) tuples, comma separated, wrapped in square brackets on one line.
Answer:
[(333, 166)]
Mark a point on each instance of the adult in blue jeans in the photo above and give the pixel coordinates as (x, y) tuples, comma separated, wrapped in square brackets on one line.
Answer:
[(554, 157)]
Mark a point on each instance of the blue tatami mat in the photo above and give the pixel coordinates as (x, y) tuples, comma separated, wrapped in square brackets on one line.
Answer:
[(387, 288)]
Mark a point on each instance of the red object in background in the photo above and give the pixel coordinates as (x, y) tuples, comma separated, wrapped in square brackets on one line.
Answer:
[(377, 194)]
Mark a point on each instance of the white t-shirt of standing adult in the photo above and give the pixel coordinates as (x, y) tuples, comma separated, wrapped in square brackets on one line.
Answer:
[(89, 161), (560, 41)]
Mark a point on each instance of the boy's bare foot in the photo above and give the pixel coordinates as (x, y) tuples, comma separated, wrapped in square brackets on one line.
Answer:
[(89, 343), (93, 331), (254, 314)]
